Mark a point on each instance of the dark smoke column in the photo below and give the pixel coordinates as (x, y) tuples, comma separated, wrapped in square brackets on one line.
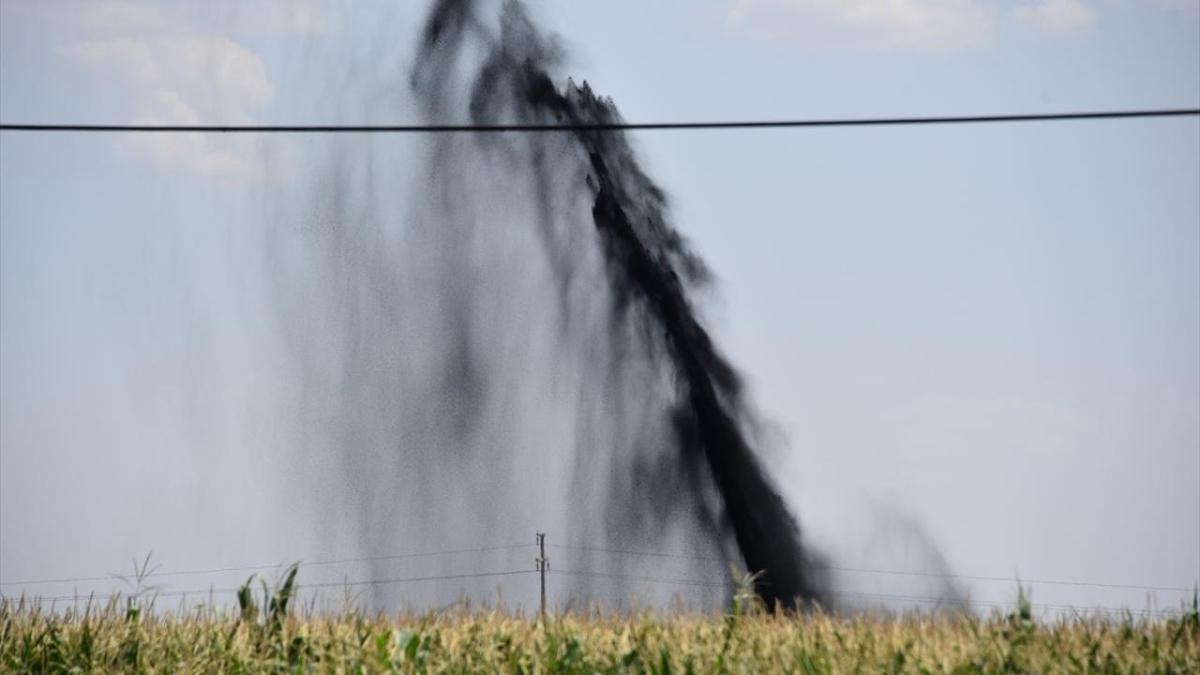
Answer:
[(649, 269)]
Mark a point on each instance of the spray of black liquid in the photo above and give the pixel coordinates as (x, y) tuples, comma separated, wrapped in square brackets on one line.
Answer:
[(648, 267)]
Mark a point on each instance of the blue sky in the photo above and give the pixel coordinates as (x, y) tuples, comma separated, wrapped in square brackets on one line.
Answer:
[(992, 331)]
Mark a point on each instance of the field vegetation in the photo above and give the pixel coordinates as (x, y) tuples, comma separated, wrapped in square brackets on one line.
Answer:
[(264, 632)]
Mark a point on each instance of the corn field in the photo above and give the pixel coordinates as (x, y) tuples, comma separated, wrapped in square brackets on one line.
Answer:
[(267, 634)]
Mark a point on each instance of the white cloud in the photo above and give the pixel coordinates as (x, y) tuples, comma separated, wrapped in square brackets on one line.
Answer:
[(193, 152), (120, 15), (231, 69), (1056, 16), (235, 17), (226, 69), (867, 24), (131, 59), (287, 18), (1177, 4), (165, 78)]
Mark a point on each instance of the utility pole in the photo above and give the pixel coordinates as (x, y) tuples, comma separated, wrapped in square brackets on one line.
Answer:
[(543, 564)]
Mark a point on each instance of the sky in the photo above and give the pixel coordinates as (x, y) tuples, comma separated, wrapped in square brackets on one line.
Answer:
[(984, 336)]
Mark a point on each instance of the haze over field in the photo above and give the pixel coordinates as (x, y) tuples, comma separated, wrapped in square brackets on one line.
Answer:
[(970, 349)]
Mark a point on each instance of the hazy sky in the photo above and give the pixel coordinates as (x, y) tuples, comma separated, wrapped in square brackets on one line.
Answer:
[(989, 331)]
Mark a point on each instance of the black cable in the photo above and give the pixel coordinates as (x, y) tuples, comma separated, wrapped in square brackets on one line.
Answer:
[(1002, 604), (627, 577), (862, 570), (597, 549), (248, 568), (151, 593), (632, 577), (868, 596), (611, 126), (973, 577), (643, 554)]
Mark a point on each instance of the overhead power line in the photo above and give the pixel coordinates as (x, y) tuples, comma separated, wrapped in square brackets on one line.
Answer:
[(250, 568), (613, 126), (624, 577), (638, 554), (596, 549), (151, 593), (1012, 604), (974, 577), (654, 580), (870, 596), (863, 570)]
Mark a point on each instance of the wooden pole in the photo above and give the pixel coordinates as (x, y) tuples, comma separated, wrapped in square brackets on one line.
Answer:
[(542, 564)]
